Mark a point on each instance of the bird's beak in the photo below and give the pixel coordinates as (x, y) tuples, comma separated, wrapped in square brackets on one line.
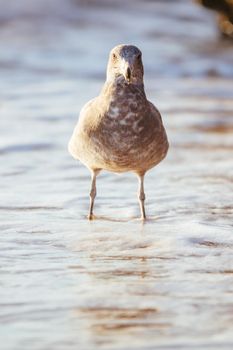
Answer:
[(128, 74), (127, 71)]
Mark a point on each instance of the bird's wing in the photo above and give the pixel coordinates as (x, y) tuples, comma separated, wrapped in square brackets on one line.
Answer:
[(90, 117), (155, 112), (88, 121), (160, 131)]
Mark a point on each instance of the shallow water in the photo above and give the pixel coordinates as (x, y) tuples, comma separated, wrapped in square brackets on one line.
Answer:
[(114, 283)]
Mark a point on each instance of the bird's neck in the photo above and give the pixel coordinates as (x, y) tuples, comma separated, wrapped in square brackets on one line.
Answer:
[(119, 86)]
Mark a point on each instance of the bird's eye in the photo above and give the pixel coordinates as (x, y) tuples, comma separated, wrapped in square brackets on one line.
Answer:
[(114, 56), (139, 56)]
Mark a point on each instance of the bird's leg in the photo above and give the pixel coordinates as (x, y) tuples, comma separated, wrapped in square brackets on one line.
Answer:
[(92, 193), (141, 196)]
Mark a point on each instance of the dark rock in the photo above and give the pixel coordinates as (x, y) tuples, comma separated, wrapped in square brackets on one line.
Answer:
[(225, 14)]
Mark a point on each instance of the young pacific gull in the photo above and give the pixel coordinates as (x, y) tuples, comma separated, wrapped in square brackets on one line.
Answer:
[(120, 130)]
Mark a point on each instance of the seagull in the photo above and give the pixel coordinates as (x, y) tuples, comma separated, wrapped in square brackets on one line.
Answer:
[(120, 130)]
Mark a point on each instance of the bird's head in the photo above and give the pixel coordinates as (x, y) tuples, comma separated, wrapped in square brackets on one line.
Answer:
[(125, 61)]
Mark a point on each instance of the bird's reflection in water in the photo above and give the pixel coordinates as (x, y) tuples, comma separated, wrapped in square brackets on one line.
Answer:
[(122, 297)]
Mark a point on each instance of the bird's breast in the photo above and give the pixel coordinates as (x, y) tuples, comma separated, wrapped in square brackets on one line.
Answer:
[(125, 110), (127, 123), (127, 135)]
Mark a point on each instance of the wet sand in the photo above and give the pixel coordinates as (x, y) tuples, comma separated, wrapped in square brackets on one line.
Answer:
[(114, 283)]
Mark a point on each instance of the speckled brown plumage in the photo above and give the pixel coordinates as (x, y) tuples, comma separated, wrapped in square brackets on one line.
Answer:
[(120, 130)]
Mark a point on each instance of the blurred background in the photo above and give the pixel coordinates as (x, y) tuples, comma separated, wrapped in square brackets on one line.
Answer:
[(66, 283)]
